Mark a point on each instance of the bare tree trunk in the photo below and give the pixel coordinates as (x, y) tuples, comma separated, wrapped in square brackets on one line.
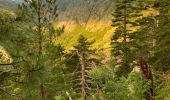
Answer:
[(82, 63)]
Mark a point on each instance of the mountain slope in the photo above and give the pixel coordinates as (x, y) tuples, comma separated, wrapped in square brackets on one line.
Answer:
[(91, 18), (86, 13), (9, 3)]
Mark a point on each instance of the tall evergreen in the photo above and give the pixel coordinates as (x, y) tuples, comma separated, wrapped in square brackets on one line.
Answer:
[(161, 54), (162, 46), (7, 72), (133, 47), (143, 42), (125, 14), (39, 48), (86, 61)]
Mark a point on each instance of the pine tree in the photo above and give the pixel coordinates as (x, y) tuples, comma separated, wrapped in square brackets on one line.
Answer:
[(7, 72), (38, 46), (133, 47), (161, 55), (125, 14), (85, 60), (142, 43), (162, 50)]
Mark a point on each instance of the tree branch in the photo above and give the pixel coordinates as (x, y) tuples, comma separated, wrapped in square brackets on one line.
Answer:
[(7, 64)]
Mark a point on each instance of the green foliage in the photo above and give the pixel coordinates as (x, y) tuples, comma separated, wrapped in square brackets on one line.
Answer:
[(69, 39), (59, 98), (81, 60), (137, 86), (162, 91), (162, 48), (34, 67), (7, 18), (35, 52), (125, 16), (112, 88), (102, 74), (116, 90)]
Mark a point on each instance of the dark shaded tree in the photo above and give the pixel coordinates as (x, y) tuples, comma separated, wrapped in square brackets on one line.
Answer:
[(125, 14)]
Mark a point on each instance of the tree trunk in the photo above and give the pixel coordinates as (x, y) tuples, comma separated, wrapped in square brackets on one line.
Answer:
[(39, 27), (125, 32), (147, 74), (42, 92), (82, 63)]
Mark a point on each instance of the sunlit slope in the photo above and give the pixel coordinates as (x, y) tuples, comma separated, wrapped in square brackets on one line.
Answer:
[(91, 18), (101, 37)]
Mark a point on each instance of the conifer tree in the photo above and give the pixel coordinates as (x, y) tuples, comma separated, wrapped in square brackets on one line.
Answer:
[(142, 43), (7, 72), (133, 47), (161, 55), (162, 46), (125, 14), (85, 60), (39, 48)]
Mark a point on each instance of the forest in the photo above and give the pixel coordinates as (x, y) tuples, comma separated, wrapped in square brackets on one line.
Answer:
[(41, 60)]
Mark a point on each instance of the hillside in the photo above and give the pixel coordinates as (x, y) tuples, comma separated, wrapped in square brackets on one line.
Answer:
[(91, 18), (9, 3)]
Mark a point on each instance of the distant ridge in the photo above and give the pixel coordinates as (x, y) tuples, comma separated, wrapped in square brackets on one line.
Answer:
[(8, 3)]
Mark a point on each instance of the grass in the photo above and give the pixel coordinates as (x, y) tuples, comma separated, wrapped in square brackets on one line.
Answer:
[(101, 37)]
